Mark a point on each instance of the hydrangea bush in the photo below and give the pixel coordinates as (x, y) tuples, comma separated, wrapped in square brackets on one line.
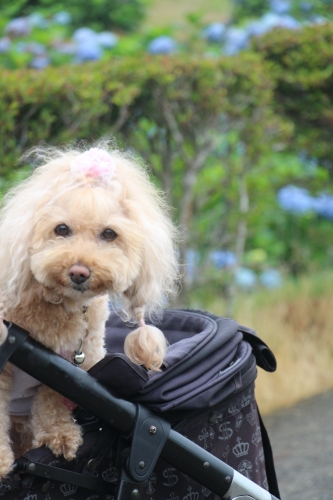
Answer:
[(44, 34), (176, 89)]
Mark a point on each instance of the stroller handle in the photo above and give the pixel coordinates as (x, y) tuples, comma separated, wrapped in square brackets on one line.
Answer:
[(80, 387)]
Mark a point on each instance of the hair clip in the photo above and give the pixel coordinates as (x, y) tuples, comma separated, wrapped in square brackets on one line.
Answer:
[(94, 163)]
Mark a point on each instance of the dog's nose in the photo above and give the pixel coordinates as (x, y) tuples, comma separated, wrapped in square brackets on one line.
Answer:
[(79, 274)]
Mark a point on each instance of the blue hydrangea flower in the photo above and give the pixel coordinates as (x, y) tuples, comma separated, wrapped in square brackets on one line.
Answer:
[(222, 258), (269, 21), (192, 259), (214, 32), (306, 6), (245, 278), (84, 33), (18, 27), (236, 39), (107, 39), (295, 199), (88, 50), (162, 45), (36, 48), (323, 206), (40, 62), (279, 6), (5, 44), (37, 20), (271, 278), (63, 18), (65, 48)]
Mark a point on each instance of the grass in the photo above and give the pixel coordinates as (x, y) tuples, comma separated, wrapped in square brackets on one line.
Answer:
[(170, 12), (296, 322)]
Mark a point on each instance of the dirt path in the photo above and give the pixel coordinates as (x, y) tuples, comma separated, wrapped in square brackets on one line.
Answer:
[(302, 441)]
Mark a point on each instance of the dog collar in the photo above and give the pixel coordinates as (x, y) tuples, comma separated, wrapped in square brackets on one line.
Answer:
[(79, 356)]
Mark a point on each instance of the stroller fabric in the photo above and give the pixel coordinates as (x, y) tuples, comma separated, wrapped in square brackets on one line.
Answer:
[(206, 391)]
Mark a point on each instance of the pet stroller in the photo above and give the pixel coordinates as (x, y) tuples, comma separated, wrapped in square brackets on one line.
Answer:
[(190, 432)]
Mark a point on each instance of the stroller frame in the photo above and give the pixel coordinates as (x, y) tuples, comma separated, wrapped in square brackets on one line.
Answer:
[(150, 436)]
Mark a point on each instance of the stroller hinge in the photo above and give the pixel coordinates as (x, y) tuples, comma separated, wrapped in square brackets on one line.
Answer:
[(128, 489), (148, 438)]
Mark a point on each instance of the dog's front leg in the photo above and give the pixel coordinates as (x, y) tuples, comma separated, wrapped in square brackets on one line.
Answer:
[(3, 331), (6, 453), (53, 426)]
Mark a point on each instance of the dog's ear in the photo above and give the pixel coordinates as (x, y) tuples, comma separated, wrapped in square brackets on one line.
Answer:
[(16, 227), (158, 276), (155, 282)]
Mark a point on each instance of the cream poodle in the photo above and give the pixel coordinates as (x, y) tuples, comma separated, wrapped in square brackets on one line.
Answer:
[(85, 226)]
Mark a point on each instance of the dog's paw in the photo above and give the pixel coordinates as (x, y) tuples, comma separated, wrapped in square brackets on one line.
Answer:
[(6, 462), (3, 331), (62, 441)]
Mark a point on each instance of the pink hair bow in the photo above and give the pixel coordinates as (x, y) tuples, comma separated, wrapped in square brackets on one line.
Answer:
[(94, 163)]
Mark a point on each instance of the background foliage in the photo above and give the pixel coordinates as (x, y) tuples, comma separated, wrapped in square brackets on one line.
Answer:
[(234, 119), (222, 131), (98, 14)]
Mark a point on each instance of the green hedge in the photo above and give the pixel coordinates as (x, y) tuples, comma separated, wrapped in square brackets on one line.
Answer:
[(85, 102), (98, 14), (209, 128), (301, 64)]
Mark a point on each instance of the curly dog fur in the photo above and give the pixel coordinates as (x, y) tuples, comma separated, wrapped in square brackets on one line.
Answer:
[(71, 239)]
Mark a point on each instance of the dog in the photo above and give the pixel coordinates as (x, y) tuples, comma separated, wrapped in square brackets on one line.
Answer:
[(86, 226)]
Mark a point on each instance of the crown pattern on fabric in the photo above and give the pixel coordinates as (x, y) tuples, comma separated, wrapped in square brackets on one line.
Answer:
[(110, 474), (4, 488), (68, 489), (191, 495), (30, 497), (256, 438), (252, 417), (240, 449)]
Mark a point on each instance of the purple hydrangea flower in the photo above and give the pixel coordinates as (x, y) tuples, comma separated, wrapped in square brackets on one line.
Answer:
[(40, 62), (5, 44), (35, 48), (65, 48), (18, 27), (162, 45)]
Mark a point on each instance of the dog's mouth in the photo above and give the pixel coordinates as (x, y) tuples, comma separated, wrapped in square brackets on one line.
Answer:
[(80, 287)]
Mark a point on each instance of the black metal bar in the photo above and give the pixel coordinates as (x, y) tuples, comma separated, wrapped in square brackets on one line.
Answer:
[(83, 389), (62, 475)]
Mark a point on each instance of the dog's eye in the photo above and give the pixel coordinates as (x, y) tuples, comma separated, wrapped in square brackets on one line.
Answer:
[(109, 235), (62, 230)]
